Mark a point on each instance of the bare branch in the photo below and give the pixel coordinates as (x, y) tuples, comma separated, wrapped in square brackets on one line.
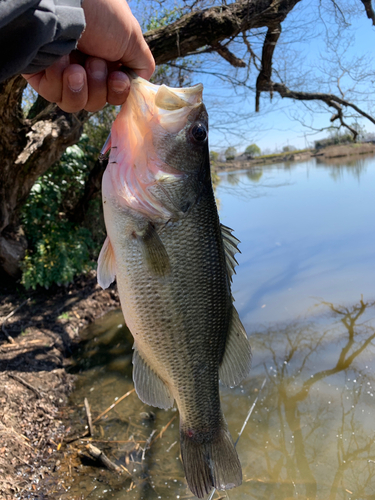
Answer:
[(226, 54), (330, 99)]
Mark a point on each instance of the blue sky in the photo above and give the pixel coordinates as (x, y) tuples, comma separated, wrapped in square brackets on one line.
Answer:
[(300, 57)]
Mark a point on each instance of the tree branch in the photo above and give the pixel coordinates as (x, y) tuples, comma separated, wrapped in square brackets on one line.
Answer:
[(211, 26), (226, 54), (331, 100), (369, 10), (264, 77)]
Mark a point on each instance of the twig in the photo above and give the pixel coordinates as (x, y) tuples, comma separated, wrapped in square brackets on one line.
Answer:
[(99, 455), (75, 438), (148, 444), (163, 430), (243, 427), (250, 412), (86, 433), (171, 446), (26, 384), (112, 406), (11, 339), (88, 413), (113, 441)]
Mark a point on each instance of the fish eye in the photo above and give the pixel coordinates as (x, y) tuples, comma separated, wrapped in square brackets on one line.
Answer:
[(199, 132)]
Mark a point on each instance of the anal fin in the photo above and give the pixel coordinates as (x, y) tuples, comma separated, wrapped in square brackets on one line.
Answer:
[(148, 385), (236, 362), (106, 265)]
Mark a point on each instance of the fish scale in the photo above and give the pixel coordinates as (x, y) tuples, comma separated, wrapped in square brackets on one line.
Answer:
[(173, 263)]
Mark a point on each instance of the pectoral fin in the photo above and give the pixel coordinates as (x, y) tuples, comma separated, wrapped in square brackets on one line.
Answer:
[(153, 250), (230, 247), (148, 385), (106, 265), (236, 362)]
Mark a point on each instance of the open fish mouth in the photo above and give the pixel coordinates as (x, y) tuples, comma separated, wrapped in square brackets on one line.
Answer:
[(150, 113)]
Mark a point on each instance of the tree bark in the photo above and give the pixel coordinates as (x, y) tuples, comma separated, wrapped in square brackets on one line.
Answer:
[(28, 147), (211, 26)]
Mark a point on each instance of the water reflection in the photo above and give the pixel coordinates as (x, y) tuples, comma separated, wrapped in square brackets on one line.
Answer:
[(316, 415), (310, 436), (338, 167)]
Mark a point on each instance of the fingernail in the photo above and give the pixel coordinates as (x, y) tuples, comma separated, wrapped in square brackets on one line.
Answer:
[(76, 82), (98, 69), (119, 82)]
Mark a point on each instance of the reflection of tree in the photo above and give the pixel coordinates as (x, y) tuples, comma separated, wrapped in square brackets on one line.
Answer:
[(233, 179), (254, 174), (309, 455), (337, 167)]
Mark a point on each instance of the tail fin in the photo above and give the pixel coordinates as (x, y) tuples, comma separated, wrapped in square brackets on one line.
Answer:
[(210, 464)]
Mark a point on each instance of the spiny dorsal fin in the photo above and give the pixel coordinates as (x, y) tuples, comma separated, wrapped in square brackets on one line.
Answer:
[(230, 247), (237, 356), (153, 250), (106, 273), (148, 385)]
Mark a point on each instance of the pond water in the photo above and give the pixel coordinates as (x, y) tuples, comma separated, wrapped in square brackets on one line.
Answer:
[(305, 290)]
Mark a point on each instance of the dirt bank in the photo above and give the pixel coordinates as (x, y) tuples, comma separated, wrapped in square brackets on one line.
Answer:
[(38, 332)]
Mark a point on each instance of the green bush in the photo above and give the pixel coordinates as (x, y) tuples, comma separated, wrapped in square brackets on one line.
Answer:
[(58, 250)]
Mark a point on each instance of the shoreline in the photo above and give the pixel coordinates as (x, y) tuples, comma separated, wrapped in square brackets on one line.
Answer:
[(45, 326), (328, 153)]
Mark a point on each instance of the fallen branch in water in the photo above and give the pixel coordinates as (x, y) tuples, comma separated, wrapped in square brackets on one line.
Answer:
[(89, 419), (87, 433), (163, 430), (250, 412), (99, 455), (148, 444), (113, 405)]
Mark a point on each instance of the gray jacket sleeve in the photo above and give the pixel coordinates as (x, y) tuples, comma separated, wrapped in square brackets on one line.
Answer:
[(35, 33)]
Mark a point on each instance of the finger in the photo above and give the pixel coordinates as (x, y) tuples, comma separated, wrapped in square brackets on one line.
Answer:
[(97, 72), (118, 88), (48, 83), (74, 91), (138, 56)]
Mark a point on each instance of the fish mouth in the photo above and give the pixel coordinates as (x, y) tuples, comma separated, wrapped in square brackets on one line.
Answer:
[(172, 105)]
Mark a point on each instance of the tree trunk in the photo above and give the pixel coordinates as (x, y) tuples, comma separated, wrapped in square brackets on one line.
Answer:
[(28, 147)]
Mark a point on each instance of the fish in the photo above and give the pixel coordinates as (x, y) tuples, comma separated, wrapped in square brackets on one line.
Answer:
[(173, 262)]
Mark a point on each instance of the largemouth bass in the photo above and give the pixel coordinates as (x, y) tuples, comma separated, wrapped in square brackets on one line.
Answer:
[(173, 262)]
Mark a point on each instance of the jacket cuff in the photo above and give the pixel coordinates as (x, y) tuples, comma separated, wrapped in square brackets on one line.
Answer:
[(70, 23)]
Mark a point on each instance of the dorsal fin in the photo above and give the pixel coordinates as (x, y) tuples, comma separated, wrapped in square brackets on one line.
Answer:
[(230, 247), (236, 362)]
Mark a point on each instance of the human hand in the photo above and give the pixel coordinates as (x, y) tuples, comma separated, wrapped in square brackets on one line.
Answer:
[(90, 77)]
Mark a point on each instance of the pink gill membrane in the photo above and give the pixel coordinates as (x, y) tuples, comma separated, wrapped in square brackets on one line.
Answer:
[(134, 165)]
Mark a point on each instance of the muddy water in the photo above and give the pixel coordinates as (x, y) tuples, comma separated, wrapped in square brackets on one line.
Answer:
[(305, 291)]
